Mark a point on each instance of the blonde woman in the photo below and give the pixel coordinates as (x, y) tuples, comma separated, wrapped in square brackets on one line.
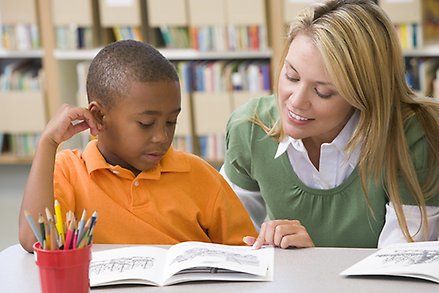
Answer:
[(344, 154)]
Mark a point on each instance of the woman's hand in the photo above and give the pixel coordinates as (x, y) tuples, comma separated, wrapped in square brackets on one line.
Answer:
[(281, 233)]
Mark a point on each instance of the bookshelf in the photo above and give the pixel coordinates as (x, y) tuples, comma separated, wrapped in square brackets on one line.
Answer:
[(76, 24), (416, 23), (22, 100), (146, 19), (189, 22)]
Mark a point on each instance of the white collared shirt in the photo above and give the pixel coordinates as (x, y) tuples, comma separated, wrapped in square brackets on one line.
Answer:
[(335, 163), (334, 167)]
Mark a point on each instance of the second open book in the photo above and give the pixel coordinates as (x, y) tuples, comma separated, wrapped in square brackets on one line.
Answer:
[(183, 262), (415, 260)]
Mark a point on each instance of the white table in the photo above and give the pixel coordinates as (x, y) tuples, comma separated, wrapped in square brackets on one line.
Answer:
[(296, 270)]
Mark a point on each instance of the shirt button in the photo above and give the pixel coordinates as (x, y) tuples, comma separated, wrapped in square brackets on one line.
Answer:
[(136, 183)]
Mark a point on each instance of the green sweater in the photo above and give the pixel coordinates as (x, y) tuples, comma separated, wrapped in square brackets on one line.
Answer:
[(339, 217)]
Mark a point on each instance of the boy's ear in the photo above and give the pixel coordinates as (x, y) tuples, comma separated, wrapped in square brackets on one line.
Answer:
[(98, 111)]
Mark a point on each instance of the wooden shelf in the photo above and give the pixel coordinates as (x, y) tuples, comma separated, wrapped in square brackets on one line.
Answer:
[(426, 51), (21, 54), (172, 54), (9, 159)]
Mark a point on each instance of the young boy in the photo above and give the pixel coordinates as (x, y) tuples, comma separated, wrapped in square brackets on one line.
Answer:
[(143, 189)]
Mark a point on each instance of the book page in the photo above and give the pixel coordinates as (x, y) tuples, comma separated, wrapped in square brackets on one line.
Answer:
[(417, 260), (207, 261), (127, 265)]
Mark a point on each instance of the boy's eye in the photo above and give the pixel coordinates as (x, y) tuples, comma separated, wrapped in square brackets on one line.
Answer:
[(145, 125), (172, 122)]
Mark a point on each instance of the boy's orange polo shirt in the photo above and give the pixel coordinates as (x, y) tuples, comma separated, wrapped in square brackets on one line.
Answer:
[(182, 199)]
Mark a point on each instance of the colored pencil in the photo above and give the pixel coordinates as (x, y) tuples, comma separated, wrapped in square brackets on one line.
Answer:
[(59, 221), (34, 228), (52, 235)]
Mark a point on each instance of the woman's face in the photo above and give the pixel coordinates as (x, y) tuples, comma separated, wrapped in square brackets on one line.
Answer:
[(311, 108)]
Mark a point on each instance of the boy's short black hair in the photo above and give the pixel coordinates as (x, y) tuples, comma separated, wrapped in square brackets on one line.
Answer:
[(119, 64)]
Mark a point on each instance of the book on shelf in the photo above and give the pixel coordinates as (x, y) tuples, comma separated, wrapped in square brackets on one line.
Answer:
[(421, 75), (414, 260), (183, 262), (430, 23), (19, 36), (2, 139)]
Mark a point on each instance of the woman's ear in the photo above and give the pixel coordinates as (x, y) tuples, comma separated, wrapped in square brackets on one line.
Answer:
[(98, 112)]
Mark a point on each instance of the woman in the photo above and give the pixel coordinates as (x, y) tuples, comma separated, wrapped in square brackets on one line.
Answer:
[(345, 154)]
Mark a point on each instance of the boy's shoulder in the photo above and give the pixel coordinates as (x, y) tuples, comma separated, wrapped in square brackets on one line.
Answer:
[(69, 155)]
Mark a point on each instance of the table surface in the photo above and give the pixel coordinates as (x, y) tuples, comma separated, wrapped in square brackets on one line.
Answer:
[(296, 270)]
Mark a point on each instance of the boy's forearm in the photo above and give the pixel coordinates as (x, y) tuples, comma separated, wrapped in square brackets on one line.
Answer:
[(38, 193)]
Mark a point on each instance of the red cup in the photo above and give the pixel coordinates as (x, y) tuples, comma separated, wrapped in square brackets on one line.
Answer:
[(63, 270)]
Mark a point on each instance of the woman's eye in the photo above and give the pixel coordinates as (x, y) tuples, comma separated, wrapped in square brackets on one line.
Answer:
[(323, 96), (291, 78)]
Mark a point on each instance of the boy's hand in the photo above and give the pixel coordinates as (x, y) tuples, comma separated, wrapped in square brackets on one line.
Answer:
[(69, 121), (281, 233)]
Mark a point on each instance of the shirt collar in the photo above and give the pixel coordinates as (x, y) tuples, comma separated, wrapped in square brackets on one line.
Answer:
[(339, 142), (172, 161)]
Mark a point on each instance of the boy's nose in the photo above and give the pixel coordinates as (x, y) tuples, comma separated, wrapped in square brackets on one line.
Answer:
[(160, 135)]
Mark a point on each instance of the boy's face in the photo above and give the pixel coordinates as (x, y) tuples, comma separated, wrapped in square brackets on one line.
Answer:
[(139, 128)]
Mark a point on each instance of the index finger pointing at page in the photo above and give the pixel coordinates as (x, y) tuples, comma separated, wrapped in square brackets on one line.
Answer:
[(261, 237)]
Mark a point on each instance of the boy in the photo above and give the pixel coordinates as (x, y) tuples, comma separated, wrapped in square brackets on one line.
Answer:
[(143, 189)]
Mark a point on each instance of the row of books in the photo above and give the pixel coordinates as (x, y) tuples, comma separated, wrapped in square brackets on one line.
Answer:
[(20, 74), (175, 37), (422, 75), (183, 142), (19, 37), (23, 145), (206, 38), (225, 76), (212, 147), (127, 33), (74, 37), (410, 35), (215, 38), (229, 38), (416, 21)]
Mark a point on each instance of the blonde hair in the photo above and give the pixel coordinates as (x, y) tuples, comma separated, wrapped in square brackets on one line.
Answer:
[(363, 57)]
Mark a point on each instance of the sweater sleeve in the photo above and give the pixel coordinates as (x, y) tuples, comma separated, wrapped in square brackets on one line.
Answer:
[(419, 151), (238, 160)]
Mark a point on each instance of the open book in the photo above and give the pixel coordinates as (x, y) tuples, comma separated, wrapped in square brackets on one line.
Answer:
[(183, 262), (415, 260)]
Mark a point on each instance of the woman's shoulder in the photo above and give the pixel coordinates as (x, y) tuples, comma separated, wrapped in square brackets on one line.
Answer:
[(414, 131), (263, 108), (256, 105)]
